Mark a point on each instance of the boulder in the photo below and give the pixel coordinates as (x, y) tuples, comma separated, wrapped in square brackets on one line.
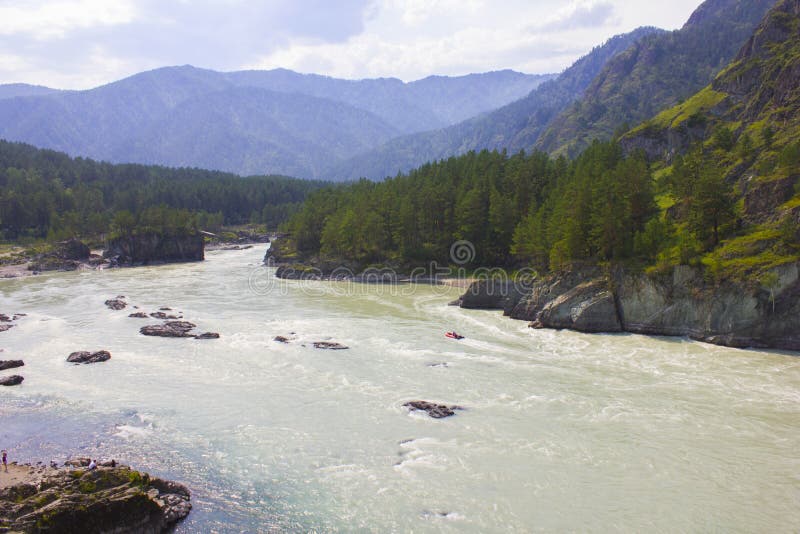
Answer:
[(588, 307), (84, 356), (10, 364), (329, 345), (170, 329), (208, 335), (437, 411), (116, 304), (139, 315), (4, 327), (13, 380), (162, 315), (281, 339), (492, 294)]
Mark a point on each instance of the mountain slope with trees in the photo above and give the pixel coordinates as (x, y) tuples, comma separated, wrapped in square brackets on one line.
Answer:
[(711, 183), (657, 72), (13, 90), (513, 127)]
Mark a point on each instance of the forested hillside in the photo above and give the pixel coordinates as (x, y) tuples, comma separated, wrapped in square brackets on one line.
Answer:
[(11, 90), (713, 181), (657, 72), (514, 127), (742, 132), (519, 208), (44, 193)]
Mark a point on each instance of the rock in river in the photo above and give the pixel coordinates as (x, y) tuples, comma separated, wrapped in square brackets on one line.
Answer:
[(437, 411), (162, 315), (116, 304), (207, 335), (170, 329), (139, 315), (329, 345), (13, 380), (84, 356), (10, 364)]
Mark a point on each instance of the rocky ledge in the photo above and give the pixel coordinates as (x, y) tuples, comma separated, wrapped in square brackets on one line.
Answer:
[(679, 303), (105, 499)]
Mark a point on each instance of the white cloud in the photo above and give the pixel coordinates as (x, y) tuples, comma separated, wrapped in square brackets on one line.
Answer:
[(55, 19), (415, 12), (82, 43), (579, 14)]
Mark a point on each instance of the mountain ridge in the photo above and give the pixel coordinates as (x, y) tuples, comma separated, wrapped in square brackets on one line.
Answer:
[(655, 73), (119, 120), (508, 127)]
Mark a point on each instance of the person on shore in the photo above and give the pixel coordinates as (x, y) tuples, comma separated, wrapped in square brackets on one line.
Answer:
[(5, 460), (92, 465)]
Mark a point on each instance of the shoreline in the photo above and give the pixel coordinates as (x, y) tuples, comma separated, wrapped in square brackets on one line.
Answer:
[(681, 303)]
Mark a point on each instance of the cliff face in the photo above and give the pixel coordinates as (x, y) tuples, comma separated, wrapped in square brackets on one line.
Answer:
[(143, 249), (680, 304)]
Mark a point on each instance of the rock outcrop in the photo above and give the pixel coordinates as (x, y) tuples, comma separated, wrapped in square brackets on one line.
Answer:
[(85, 356), (587, 307), (101, 500), (149, 248), (67, 255), (492, 294), (681, 303)]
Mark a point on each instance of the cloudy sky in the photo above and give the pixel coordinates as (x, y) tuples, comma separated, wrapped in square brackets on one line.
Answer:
[(79, 44)]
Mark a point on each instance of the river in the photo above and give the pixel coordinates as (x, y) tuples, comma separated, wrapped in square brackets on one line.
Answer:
[(560, 431)]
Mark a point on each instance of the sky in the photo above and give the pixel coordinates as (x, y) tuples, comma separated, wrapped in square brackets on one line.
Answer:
[(79, 44)]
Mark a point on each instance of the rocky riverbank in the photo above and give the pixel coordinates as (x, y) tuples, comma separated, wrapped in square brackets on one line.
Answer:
[(679, 303), (38, 498)]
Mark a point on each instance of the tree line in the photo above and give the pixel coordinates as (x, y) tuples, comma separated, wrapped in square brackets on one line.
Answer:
[(47, 194), (525, 209)]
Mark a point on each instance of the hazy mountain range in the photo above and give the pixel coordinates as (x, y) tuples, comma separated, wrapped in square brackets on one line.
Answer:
[(248, 122), (623, 82), (310, 126)]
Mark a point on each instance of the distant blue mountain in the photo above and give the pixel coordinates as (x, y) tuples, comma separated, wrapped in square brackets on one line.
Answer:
[(12, 90), (247, 122)]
